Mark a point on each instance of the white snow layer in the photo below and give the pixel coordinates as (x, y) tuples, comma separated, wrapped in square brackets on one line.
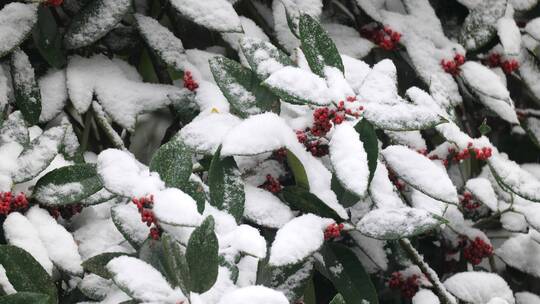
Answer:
[(479, 287)]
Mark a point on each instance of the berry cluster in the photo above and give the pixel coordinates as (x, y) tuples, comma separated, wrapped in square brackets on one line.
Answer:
[(407, 286), (467, 201), (11, 203), (189, 82), (272, 184), (384, 37), (280, 154), (495, 60), (475, 251), (66, 212), (145, 205), (453, 66), (54, 2), (479, 153), (333, 231)]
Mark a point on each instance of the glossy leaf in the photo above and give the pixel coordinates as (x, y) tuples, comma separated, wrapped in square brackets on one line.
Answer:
[(202, 256), (173, 162)]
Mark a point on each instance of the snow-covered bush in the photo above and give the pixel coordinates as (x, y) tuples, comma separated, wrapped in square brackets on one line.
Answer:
[(272, 152)]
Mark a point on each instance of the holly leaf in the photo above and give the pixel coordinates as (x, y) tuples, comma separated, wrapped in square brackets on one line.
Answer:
[(16, 22), (27, 93), (202, 256), (278, 277), (174, 264), (298, 170), (25, 298), (263, 57), (301, 199), (371, 144), (173, 162), (96, 264), (480, 26), (48, 39)]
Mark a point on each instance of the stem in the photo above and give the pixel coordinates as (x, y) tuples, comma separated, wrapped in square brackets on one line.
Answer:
[(418, 260), (102, 121)]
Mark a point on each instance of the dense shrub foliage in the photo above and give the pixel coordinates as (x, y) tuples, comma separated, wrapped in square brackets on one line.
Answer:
[(272, 152)]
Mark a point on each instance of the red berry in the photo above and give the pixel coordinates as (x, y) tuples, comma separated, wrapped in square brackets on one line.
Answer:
[(189, 82), (54, 2)]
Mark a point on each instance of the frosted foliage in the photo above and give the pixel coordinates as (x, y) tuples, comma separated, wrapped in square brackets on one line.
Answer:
[(142, 281), (481, 188), (479, 287), (521, 252), (4, 87), (312, 88), (348, 41), (254, 294), (206, 132), (395, 223), (298, 239), (431, 205), (401, 116), (355, 72), (526, 298), (513, 176), (533, 28), (174, 207), (509, 35), (128, 217), (218, 15), (382, 191), (244, 240), (265, 209), (265, 56), (122, 174), (419, 172), (16, 21), (425, 296)]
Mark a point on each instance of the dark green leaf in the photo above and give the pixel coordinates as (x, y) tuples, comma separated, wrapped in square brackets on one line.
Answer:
[(279, 277), (298, 170), (14, 129), (242, 88), (319, 49), (25, 273), (96, 264), (123, 220), (252, 48), (25, 298), (202, 256), (173, 163), (338, 299), (484, 128), (174, 264), (480, 26), (345, 197), (195, 189), (94, 21), (371, 145), (17, 20), (48, 39), (27, 94), (351, 281), (226, 185), (307, 202), (67, 185)]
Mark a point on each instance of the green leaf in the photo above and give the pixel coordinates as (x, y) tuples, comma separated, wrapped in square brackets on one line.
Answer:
[(242, 88), (307, 202), (16, 22), (94, 21), (202, 256), (480, 26), (25, 298), (371, 144), (338, 299), (484, 128), (126, 219), (174, 264), (48, 39), (173, 163), (195, 189), (345, 197), (298, 170), (14, 129), (96, 264), (203, 13), (67, 185), (348, 274), (318, 47), (513, 178), (279, 277), (27, 94), (25, 273), (226, 185), (397, 117), (261, 54)]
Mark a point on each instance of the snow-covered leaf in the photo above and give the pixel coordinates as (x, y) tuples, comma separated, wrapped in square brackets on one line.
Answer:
[(254, 294), (204, 134), (521, 252), (263, 57), (122, 174), (25, 273), (39, 154), (301, 199), (226, 185), (265, 209), (514, 178), (298, 239), (48, 38), (483, 191), (174, 263), (242, 88), (478, 287), (532, 126), (348, 41), (174, 207), (279, 277), (370, 144), (349, 159), (480, 26), (397, 223), (402, 116), (25, 297), (94, 21), (319, 49), (173, 162), (419, 172), (202, 256), (141, 281), (169, 48), (67, 185), (217, 15), (509, 35), (16, 21), (14, 129), (298, 170), (54, 94), (127, 220), (27, 94), (97, 264)]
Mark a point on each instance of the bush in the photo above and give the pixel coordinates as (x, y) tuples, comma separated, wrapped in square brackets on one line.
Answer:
[(286, 151)]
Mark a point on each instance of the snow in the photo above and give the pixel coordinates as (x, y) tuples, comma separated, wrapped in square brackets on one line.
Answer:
[(53, 94), (4, 282), (425, 296), (243, 240), (128, 218), (94, 286), (218, 15), (142, 281), (19, 232), (521, 252), (513, 221), (265, 57), (355, 72), (379, 86), (201, 68), (509, 35), (16, 21), (96, 23), (5, 87), (479, 287), (14, 129), (265, 209), (39, 155), (526, 298), (98, 236), (8, 153), (419, 172), (349, 159), (61, 247), (169, 48), (347, 40), (298, 239), (533, 28), (52, 194), (411, 139), (401, 116), (396, 223), (174, 207), (382, 191), (514, 177), (421, 201), (251, 29), (209, 98), (312, 88), (122, 174), (254, 294), (339, 88), (483, 191)]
